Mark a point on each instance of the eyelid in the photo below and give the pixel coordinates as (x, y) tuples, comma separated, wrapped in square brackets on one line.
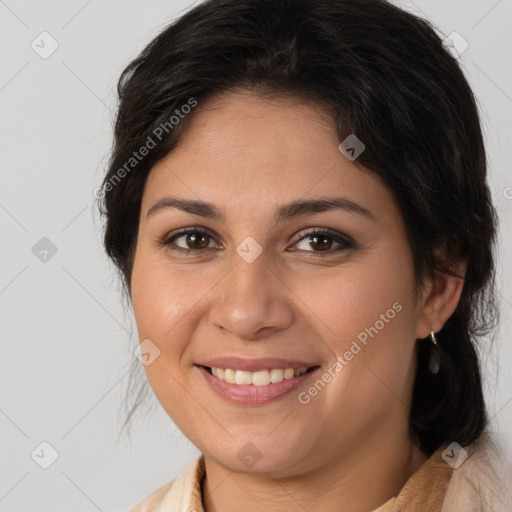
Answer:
[(168, 239), (339, 237)]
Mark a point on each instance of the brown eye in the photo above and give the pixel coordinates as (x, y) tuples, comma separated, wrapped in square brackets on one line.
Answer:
[(324, 241), (190, 241), (321, 242), (197, 240)]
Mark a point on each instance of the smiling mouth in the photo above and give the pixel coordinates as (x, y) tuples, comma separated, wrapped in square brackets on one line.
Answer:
[(258, 378)]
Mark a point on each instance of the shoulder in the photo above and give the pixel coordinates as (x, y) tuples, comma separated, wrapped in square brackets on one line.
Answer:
[(178, 493), (153, 501), (482, 481)]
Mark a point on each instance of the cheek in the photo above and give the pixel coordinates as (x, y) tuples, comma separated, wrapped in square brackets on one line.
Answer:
[(349, 302), (160, 305), (365, 319), (365, 313), (161, 297)]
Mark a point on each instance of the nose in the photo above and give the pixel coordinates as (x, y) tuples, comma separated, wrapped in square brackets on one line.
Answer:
[(252, 302)]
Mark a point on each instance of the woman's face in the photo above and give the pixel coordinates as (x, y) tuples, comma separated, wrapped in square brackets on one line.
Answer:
[(266, 282)]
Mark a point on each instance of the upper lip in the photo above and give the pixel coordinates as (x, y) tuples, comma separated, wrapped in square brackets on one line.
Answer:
[(253, 365)]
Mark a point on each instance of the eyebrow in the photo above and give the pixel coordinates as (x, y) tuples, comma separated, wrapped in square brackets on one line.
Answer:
[(285, 212)]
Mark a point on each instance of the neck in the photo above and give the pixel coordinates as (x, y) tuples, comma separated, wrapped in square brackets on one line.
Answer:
[(342, 483)]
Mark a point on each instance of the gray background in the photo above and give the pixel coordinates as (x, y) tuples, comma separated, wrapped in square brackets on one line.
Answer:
[(65, 342)]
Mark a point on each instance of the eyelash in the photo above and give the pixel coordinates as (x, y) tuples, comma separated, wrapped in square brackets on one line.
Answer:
[(346, 241)]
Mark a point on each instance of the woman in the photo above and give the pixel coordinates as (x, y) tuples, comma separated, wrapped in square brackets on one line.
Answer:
[(297, 204)]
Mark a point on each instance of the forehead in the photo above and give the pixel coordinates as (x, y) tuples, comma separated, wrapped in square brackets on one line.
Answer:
[(244, 149), (241, 124)]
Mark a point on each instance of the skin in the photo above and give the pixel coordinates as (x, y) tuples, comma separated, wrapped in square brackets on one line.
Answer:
[(249, 155)]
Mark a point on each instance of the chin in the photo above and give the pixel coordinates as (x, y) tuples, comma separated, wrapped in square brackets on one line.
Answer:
[(259, 454)]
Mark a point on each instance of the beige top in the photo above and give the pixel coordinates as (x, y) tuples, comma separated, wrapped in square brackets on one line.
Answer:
[(474, 486)]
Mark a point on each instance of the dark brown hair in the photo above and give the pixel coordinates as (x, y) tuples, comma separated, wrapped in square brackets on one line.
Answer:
[(386, 76)]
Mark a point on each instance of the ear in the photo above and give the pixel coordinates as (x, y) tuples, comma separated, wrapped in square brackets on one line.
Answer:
[(439, 300)]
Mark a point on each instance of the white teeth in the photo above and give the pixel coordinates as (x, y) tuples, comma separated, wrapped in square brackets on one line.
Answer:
[(289, 373), (242, 377), (229, 376), (259, 378), (276, 375)]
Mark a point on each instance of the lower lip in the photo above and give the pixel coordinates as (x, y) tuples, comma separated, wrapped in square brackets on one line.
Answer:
[(249, 394)]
